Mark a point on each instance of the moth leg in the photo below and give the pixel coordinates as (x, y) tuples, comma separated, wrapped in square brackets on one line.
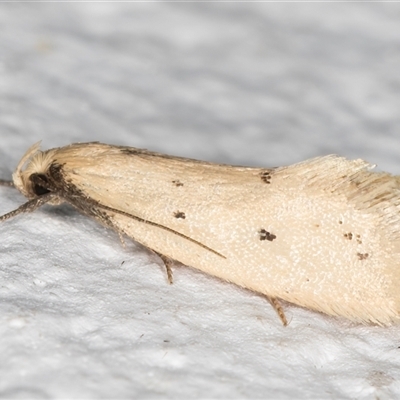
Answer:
[(105, 219), (6, 183), (86, 207), (168, 264), (121, 238), (30, 205), (275, 303)]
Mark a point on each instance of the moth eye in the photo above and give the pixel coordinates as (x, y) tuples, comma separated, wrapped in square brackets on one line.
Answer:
[(37, 188), (40, 190)]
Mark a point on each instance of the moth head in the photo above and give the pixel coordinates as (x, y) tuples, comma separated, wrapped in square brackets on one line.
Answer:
[(33, 163)]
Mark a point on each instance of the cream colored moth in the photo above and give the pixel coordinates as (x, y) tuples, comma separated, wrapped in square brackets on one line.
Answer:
[(323, 234)]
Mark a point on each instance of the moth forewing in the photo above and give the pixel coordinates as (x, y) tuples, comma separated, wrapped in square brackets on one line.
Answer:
[(323, 234)]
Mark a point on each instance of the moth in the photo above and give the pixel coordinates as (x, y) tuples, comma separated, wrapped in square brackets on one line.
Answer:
[(323, 234)]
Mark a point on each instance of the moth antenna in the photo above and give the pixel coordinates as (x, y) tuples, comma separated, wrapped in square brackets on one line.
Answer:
[(6, 183), (30, 205), (276, 304)]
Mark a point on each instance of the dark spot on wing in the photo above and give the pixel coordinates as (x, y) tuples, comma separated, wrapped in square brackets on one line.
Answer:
[(362, 256), (265, 235), (177, 183), (179, 214), (266, 176)]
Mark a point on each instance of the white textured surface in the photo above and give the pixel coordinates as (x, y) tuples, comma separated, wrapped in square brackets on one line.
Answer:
[(258, 84)]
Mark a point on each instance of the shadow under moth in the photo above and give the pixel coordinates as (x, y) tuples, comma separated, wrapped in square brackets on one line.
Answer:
[(323, 234)]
